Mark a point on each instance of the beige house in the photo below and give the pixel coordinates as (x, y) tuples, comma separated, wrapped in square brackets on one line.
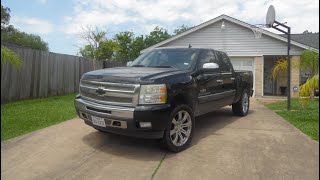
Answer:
[(246, 52)]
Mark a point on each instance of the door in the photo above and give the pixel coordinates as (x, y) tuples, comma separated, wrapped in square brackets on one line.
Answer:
[(229, 78), (209, 84)]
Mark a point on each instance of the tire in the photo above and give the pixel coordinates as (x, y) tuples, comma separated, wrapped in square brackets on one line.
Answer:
[(241, 108), (180, 129)]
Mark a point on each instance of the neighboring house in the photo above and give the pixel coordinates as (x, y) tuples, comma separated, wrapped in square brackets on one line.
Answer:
[(245, 50)]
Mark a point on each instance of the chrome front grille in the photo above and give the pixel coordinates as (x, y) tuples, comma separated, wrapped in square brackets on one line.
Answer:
[(110, 93)]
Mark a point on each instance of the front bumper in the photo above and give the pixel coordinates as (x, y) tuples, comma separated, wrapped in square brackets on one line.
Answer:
[(126, 120)]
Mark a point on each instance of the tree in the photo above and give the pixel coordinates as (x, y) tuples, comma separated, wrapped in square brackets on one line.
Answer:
[(93, 38), (124, 39), (307, 32), (136, 46), (107, 50), (8, 56), (87, 52), (181, 29), (5, 17), (157, 35), (310, 62), (16, 37), (12, 35)]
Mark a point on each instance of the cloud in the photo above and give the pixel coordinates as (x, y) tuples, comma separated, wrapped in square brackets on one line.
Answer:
[(143, 14), (32, 25), (42, 1)]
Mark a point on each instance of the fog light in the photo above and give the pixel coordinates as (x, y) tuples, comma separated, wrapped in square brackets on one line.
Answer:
[(145, 124), (84, 115)]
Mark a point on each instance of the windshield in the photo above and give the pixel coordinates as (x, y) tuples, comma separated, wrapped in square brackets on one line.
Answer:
[(167, 58)]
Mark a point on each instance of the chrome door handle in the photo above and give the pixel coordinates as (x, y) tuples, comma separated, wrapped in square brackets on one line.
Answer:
[(219, 81)]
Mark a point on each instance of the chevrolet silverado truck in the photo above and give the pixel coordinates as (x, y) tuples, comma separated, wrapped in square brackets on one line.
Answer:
[(160, 93)]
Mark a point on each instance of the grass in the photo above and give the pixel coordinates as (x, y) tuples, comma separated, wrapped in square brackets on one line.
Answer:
[(306, 119), (25, 116)]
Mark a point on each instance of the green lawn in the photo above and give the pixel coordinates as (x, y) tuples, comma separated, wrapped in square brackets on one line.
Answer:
[(22, 117), (307, 120)]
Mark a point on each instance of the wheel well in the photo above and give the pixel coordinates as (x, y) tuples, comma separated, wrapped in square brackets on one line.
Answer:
[(182, 99)]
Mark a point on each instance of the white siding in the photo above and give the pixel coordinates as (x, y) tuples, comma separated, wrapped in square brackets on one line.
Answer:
[(236, 40)]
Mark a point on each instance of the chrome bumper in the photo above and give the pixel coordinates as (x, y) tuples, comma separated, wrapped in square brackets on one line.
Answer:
[(125, 120), (121, 120)]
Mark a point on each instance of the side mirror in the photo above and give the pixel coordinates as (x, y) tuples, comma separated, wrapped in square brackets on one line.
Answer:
[(210, 67), (128, 63)]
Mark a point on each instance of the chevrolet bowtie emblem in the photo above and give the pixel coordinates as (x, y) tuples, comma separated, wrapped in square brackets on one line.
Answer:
[(100, 91)]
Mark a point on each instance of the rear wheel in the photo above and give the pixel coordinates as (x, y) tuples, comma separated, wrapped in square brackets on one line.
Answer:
[(178, 135), (241, 108)]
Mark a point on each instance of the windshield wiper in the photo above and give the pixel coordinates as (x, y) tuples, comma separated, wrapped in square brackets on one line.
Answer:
[(163, 66), (138, 65)]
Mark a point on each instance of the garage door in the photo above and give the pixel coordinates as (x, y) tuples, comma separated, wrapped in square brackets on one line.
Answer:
[(245, 64)]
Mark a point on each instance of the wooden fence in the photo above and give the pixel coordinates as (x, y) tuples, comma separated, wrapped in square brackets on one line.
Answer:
[(108, 64), (42, 74)]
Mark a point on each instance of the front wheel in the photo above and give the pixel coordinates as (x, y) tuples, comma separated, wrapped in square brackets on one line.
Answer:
[(241, 108), (178, 135)]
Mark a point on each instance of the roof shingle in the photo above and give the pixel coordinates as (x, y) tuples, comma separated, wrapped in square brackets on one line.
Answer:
[(311, 39)]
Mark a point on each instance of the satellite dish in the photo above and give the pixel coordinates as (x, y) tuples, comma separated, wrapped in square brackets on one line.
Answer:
[(271, 16)]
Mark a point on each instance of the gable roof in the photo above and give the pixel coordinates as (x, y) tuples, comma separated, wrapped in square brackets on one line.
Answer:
[(236, 21), (311, 39)]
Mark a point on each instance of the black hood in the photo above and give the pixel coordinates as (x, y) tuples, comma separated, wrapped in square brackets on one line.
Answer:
[(131, 74)]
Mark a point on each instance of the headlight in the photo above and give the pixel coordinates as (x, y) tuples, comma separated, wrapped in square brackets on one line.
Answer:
[(153, 94)]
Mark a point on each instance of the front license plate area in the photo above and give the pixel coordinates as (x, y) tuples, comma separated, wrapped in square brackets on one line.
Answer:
[(98, 121)]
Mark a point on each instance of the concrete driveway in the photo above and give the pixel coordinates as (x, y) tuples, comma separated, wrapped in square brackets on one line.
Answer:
[(259, 146)]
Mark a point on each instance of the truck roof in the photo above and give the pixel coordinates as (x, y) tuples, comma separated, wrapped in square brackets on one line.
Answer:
[(183, 47)]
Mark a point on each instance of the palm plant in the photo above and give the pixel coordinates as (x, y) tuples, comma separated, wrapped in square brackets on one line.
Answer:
[(280, 66), (307, 88), (310, 62), (9, 56)]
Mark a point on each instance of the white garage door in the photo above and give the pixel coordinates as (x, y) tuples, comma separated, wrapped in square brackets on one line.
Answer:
[(244, 63)]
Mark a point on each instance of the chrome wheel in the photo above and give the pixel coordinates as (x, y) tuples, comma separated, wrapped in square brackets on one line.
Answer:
[(180, 128), (245, 102)]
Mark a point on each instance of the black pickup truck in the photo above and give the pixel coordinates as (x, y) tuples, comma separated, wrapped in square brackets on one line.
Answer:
[(161, 92)]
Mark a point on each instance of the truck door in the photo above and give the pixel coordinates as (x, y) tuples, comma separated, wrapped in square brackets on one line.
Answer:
[(209, 84), (228, 76)]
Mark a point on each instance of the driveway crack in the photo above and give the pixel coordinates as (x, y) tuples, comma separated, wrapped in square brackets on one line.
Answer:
[(157, 168)]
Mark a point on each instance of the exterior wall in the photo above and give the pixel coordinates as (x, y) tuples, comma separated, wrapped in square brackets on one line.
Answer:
[(295, 75), (258, 61), (236, 40)]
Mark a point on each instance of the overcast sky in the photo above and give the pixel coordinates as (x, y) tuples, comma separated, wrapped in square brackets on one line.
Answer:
[(59, 21)]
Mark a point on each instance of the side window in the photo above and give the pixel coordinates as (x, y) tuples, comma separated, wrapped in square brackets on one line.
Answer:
[(207, 56), (224, 62)]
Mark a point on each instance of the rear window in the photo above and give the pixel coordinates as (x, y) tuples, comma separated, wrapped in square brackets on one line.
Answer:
[(224, 62)]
